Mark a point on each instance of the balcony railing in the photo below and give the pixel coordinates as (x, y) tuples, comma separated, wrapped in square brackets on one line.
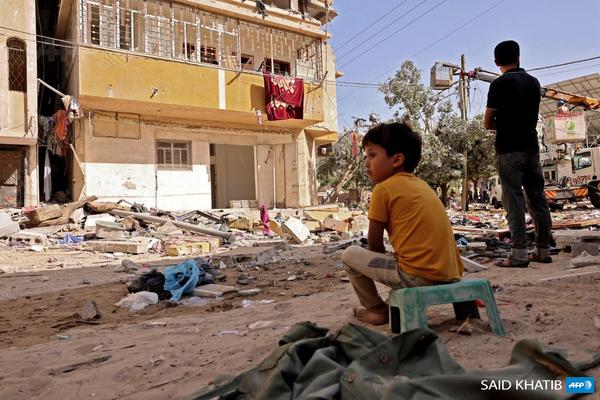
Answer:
[(186, 34)]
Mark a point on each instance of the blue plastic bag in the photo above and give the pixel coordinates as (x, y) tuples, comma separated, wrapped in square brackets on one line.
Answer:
[(181, 278)]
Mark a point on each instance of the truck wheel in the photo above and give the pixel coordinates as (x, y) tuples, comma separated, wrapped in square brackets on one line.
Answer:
[(595, 198)]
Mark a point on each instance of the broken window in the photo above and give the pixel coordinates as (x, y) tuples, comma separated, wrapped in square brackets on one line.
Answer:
[(247, 62), (184, 22), (279, 67), (159, 34), (17, 65), (173, 154)]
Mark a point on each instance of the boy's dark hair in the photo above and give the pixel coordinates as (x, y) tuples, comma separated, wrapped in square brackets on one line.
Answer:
[(396, 138), (507, 52)]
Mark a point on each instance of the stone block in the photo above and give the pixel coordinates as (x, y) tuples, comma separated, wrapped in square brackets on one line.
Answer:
[(109, 230), (213, 290), (131, 246), (243, 255), (336, 225), (296, 229), (184, 249)]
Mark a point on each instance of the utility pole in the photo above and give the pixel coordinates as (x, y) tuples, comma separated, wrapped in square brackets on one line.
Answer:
[(464, 101)]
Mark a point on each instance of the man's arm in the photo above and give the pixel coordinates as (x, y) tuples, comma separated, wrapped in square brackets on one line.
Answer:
[(489, 119), (375, 236)]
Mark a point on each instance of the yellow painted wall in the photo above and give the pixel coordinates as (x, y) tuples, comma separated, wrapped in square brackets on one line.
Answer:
[(182, 88)]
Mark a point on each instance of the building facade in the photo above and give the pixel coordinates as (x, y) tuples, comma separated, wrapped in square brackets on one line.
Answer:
[(174, 112), (18, 105)]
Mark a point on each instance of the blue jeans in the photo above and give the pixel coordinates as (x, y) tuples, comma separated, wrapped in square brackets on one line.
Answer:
[(521, 172)]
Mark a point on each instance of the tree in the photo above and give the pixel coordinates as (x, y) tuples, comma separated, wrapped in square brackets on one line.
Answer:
[(342, 170), (441, 128), (481, 154)]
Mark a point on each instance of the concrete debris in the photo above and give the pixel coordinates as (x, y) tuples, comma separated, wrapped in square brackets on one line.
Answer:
[(90, 221), (109, 230), (7, 225), (585, 261), (213, 290), (296, 229), (132, 246), (249, 292), (89, 311)]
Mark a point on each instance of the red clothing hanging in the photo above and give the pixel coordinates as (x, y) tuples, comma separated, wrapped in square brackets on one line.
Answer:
[(284, 97)]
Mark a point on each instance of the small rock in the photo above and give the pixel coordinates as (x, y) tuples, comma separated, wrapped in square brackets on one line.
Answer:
[(84, 281), (45, 278), (90, 311), (597, 322), (260, 324), (243, 279), (249, 292), (291, 278)]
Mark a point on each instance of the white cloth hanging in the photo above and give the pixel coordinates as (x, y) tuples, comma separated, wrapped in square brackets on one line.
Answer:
[(47, 177)]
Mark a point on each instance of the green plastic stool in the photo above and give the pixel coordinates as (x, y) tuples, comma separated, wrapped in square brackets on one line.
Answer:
[(408, 307)]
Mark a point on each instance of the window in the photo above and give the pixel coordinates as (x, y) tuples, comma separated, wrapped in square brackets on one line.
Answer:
[(173, 155), (582, 160), (279, 67), (208, 55), (17, 65), (247, 62)]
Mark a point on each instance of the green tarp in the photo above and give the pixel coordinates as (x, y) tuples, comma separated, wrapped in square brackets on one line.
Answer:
[(358, 363)]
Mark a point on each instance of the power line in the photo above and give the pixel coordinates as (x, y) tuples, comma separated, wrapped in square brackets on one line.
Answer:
[(395, 33), (381, 30), (563, 64), (370, 25), (438, 40), (481, 14)]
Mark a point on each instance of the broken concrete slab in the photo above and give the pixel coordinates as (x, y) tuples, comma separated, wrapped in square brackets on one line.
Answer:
[(244, 255), (336, 225), (313, 226), (137, 245), (578, 240), (77, 216), (27, 235), (7, 225), (213, 290), (109, 230), (243, 224), (296, 229), (183, 249), (90, 221), (319, 216), (472, 266)]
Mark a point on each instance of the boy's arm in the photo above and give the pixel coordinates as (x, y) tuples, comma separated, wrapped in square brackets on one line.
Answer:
[(375, 236)]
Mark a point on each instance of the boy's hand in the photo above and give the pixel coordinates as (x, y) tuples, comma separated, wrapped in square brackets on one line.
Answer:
[(375, 236)]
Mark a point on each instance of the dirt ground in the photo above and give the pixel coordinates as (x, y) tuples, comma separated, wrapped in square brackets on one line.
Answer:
[(171, 352)]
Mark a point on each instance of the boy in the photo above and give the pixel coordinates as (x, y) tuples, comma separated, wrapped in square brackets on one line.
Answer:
[(409, 210)]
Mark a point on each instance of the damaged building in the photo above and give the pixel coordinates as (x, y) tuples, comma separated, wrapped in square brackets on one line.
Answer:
[(197, 104), (18, 105)]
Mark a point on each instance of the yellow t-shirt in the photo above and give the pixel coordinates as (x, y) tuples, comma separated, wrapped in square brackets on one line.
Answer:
[(418, 227)]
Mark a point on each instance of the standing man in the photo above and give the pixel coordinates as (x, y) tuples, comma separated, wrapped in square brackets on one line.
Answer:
[(512, 111)]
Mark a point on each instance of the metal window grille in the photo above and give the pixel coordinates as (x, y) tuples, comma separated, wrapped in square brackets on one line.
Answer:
[(173, 154), (17, 65), (183, 32)]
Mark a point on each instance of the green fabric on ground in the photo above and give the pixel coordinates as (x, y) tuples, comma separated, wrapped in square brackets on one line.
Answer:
[(358, 363)]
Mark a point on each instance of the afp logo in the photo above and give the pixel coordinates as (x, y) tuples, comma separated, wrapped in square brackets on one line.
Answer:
[(580, 384)]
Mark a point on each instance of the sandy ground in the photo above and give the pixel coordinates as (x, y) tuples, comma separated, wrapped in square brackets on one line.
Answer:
[(171, 352)]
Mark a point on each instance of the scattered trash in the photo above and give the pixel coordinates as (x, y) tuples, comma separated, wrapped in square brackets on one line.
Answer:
[(138, 301)]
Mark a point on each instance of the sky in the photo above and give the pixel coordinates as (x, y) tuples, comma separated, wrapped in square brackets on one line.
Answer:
[(548, 31)]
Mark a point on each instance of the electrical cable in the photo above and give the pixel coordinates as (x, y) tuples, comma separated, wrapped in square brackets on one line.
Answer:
[(394, 33), (381, 30), (563, 64), (370, 25)]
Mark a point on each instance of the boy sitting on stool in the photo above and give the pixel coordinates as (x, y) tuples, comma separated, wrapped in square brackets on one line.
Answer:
[(425, 252)]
